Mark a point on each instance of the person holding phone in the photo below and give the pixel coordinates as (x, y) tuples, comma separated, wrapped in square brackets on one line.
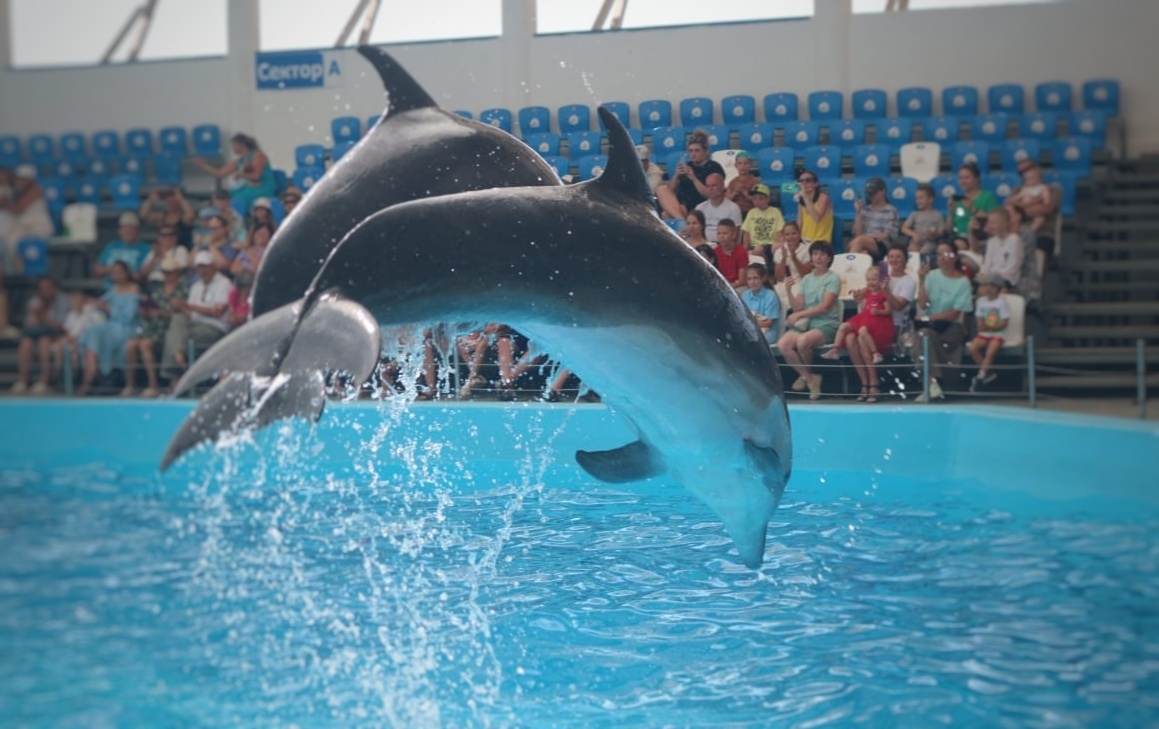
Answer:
[(814, 209), (968, 211), (688, 182)]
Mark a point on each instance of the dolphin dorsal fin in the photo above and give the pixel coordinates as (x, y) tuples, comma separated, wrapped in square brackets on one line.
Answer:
[(403, 92), (623, 172)]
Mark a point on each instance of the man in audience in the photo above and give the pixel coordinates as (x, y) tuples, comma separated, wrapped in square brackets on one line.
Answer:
[(202, 319), (223, 204), (129, 248), (43, 324), (731, 257), (1040, 202), (717, 207)]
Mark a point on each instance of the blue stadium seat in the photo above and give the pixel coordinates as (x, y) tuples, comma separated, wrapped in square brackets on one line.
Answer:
[(696, 111), (133, 165), (847, 132), (666, 140), (870, 104), (65, 170), (126, 191), (591, 166), (976, 152), (584, 144), (167, 169), (310, 155), (901, 192), (500, 118), (801, 134), (960, 101), (41, 149), (281, 181), (895, 131), (718, 136), (574, 118), (10, 151), (1040, 125), (843, 192), (72, 145), (825, 160), (1072, 154), (945, 188), (777, 165), (781, 107), (345, 129), (306, 177), (55, 194), (755, 136), (174, 141), (99, 168), (534, 120), (106, 143), (1091, 124), (1052, 96), (139, 142), (33, 254), (915, 102), (826, 105), (339, 150), (207, 140), (990, 128), (562, 165), (622, 111), (738, 109), (1102, 94), (1068, 181), (1001, 183), (941, 129), (871, 160), (88, 190), (1016, 150), (546, 143), (655, 113), (460, 112), (1006, 99)]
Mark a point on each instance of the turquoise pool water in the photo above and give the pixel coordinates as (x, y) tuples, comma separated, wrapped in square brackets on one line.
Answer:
[(450, 566)]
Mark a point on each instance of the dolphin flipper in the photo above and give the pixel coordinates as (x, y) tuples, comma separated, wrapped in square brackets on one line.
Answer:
[(633, 462)]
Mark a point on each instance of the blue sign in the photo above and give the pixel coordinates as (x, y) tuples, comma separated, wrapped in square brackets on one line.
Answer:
[(299, 69)]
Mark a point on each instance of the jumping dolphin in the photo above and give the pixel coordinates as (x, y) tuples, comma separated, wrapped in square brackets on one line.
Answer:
[(415, 150), (588, 272)]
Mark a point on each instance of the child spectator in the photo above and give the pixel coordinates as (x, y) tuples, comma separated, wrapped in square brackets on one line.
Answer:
[(872, 326), (762, 302), (129, 249), (43, 325), (763, 224), (103, 346), (876, 223), (1004, 252), (731, 258), (157, 310), (83, 313), (740, 188), (924, 226), (992, 314), (717, 208), (790, 257)]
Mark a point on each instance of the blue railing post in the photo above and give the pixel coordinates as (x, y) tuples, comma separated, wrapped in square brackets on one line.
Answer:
[(926, 368), (1141, 377)]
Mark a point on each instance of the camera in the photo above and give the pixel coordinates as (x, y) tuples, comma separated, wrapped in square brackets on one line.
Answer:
[(930, 259)]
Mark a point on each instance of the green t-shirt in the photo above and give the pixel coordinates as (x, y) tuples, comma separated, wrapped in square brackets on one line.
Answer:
[(814, 288), (763, 226), (984, 203), (946, 293)]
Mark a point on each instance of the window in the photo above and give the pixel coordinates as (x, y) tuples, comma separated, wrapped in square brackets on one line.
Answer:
[(78, 32), (290, 24), (554, 16)]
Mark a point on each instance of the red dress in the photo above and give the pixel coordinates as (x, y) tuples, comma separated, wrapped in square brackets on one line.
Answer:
[(880, 327)]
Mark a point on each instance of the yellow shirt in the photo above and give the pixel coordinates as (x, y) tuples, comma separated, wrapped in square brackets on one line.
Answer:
[(814, 231), (763, 226)]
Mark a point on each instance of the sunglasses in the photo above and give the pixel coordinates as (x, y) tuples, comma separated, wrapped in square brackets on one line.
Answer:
[(807, 179)]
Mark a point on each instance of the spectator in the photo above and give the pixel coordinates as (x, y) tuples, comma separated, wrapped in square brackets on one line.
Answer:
[(867, 334), (740, 187), (83, 312), (717, 208), (790, 257), (203, 318), (944, 296), (1040, 202), (43, 325), (23, 214), (167, 207), (900, 290), (693, 231), (764, 304), (251, 175), (731, 258), (129, 249), (968, 211), (1030, 282), (992, 314), (102, 346), (814, 320), (165, 249), (1004, 252), (876, 223), (814, 209), (157, 310), (762, 226), (239, 299), (262, 213), (924, 226), (249, 256), (235, 221), (689, 182), (219, 245), (290, 199)]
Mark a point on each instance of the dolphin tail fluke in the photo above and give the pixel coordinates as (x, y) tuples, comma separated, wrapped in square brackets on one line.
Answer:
[(633, 462)]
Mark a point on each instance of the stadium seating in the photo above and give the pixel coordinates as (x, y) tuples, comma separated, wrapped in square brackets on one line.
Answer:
[(1102, 94), (174, 141), (339, 150), (459, 112), (920, 161), (546, 143), (895, 132), (755, 136), (668, 139), (33, 254), (990, 128), (1040, 125), (591, 166), (738, 109), (945, 188), (622, 111), (345, 129), (562, 165), (72, 145), (1001, 183), (1069, 183), (583, 144), (824, 160), (534, 120), (718, 136), (10, 151), (1006, 99), (497, 117), (871, 160), (106, 143), (941, 129), (88, 190), (207, 140), (574, 118), (960, 101), (851, 268), (139, 142), (780, 107), (870, 104), (826, 105), (54, 194), (371, 121), (801, 134), (655, 113), (305, 177), (843, 192), (915, 102), (1016, 150), (310, 155), (776, 165), (847, 132), (41, 149), (167, 169), (901, 192), (697, 111), (1090, 123), (134, 164), (965, 152), (1053, 96), (1072, 154), (126, 190), (99, 169)]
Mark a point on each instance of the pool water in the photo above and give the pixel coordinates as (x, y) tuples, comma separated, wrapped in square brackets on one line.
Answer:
[(415, 581)]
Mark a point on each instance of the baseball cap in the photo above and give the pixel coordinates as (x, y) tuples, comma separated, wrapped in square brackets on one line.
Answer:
[(263, 202), (742, 153), (642, 152), (203, 258), (760, 189), (130, 219), (26, 171)]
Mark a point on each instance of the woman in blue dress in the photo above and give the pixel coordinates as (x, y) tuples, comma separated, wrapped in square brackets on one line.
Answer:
[(251, 170), (103, 345)]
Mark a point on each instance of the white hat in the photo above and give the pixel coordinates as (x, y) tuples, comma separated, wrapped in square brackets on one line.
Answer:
[(130, 219), (642, 151), (263, 202), (203, 258), (26, 171)]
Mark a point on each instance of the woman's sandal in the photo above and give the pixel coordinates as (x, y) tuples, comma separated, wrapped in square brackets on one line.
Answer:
[(864, 394), (874, 391)]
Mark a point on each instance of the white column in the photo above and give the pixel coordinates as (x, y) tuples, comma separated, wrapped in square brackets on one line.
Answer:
[(244, 38), (831, 22), (518, 31), (5, 60)]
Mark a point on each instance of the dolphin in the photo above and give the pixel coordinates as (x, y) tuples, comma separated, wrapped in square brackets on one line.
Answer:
[(415, 150), (591, 274)]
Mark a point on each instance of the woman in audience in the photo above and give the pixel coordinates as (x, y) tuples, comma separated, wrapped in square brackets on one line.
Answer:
[(967, 212), (251, 170), (262, 213), (814, 320), (23, 214), (944, 297), (249, 257), (694, 229), (239, 299), (165, 250), (167, 207), (877, 222), (814, 209), (790, 258), (156, 311), (688, 181), (103, 346)]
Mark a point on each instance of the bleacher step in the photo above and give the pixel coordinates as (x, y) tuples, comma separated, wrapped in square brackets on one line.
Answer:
[(1146, 265), (1103, 381), (1134, 211), (1103, 287), (1106, 308), (1148, 179), (1093, 355), (1112, 197), (1108, 245), (1105, 331), (1126, 226)]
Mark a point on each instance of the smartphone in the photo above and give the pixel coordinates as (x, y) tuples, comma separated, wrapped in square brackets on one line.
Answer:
[(930, 259)]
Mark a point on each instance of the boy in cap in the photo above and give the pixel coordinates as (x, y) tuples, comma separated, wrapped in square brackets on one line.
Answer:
[(129, 248), (992, 314), (763, 224)]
